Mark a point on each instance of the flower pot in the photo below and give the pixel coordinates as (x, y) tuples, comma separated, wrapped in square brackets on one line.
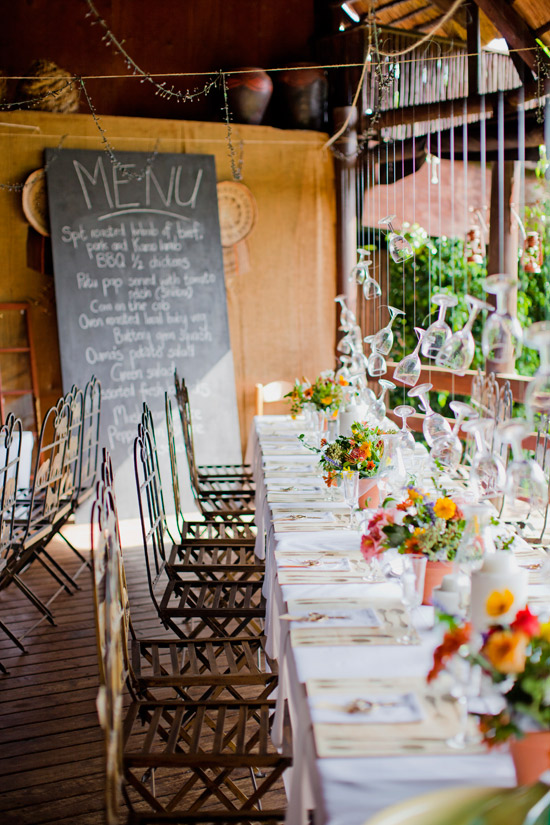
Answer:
[(531, 756), (369, 493), (435, 570)]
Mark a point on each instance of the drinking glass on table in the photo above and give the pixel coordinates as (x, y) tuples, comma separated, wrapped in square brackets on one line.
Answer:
[(412, 589), (350, 484)]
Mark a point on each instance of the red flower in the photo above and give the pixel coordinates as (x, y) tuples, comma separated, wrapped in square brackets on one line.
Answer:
[(451, 644), (525, 622), (323, 442)]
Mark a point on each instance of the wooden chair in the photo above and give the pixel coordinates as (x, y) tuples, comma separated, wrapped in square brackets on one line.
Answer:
[(220, 607), (204, 472), (194, 751), (234, 531), (271, 393)]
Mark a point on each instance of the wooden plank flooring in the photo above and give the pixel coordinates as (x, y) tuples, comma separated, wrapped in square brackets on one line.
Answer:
[(51, 758)]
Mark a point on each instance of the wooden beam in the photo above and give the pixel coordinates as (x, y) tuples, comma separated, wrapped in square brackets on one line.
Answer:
[(513, 28), (542, 29), (410, 15)]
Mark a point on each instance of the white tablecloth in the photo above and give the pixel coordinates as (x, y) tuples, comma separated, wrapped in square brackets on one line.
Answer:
[(346, 791)]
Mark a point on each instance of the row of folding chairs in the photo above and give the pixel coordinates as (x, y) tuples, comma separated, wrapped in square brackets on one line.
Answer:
[(63, 478), (193, 745)]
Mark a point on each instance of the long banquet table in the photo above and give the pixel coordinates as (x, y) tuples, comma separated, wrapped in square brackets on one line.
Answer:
[(341, 789)]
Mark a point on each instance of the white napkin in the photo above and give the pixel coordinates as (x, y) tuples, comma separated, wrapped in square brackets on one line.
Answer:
[(339, 565), (364, 617), (330, 708), (303, 518), (279, 486)]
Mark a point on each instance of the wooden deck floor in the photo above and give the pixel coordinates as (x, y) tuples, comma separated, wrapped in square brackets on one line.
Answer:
[(51, 761)]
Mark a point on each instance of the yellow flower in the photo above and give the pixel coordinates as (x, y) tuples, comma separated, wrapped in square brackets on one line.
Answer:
[(445, 508), (506, 651), (499, 603), (419, 530), (414, 495), (544, 632), (326, 400)]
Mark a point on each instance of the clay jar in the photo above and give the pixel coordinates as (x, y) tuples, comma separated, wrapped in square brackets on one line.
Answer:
[(248, 95), (302, 98)]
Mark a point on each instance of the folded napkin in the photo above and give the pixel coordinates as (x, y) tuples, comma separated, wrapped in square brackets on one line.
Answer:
[(384, 708), (303, 518), (282, 487), (340, 565), (335, 617)]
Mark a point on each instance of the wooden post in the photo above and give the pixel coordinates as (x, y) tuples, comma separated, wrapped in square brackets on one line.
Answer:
[(503, 257), (346, 203)]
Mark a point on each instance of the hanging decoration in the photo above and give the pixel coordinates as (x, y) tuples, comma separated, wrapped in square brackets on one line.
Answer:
[(532, 253)]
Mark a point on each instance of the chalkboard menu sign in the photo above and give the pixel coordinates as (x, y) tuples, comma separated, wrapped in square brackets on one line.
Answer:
[(140, 291)]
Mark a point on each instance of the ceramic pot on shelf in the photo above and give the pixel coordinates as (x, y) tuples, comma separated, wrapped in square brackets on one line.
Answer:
[(248, 95), (435, 572), (302, 95)]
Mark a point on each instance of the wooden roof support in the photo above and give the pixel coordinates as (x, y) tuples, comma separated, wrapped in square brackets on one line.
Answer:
[(473, 41), (513, 28)]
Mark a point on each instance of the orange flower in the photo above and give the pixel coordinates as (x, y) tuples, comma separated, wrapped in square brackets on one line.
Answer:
[(370, 465), (499, 602), (445, 508), (342, 381), (506, 651), (414, 495), (308, 392), (331, 479), (326, 400), (451, 644)]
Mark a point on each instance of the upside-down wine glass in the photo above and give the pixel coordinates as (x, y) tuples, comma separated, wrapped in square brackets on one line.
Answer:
[(488, 472), (537, 397), (383, 339), (434, 424), (438, 332), (457, 352), (347, 317), (447, 449), (376, 363), (361, 269), (525, 480), (392, 466), (343, 370), (502, 334), (400, 248), (408, 369), (404, 411), (377, 409)]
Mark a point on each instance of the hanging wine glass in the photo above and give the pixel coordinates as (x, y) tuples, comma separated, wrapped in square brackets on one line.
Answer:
[(438, 332), (434, 424), (400, 248), (371, 287), (447, 449), (502, 334), (383, 339), (537, 396), (525, 480), (343, 370), (404, 411), (347, 317), (408, 369), (376, 363), (377, 409), (488, 473), (361, 269), (457, 353)]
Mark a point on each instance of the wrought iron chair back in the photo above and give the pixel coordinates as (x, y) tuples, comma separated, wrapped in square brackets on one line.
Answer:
[(89, 442), (180, 521), (11, 434), (184, 408)]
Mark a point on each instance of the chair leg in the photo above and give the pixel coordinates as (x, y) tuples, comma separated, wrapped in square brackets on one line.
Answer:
[(13, 638), (32, 597), (77, 552)]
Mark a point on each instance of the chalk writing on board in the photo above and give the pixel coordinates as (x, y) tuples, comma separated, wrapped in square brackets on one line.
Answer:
[(140, 288)]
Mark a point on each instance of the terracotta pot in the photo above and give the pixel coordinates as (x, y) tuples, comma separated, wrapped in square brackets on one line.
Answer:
[(248, 95), (435, 570), (369, 493), (531, 756)]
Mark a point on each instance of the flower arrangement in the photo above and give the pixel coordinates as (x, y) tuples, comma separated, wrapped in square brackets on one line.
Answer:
[(360, 451), (516, 660), (418, 524), (326, 394)]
